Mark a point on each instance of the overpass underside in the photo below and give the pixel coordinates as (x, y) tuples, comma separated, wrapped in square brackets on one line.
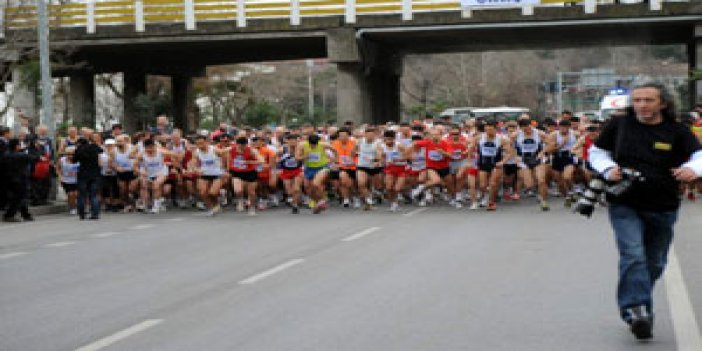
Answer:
[(368, 54)]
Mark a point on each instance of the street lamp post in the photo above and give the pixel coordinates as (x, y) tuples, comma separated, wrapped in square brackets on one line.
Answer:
[(47, 116), (310, 90)]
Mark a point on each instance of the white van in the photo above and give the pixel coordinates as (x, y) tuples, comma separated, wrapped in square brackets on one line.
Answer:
[(504, 112), (458, 114)]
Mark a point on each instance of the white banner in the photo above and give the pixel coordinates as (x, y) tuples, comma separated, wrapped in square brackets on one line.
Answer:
[(498, 3)]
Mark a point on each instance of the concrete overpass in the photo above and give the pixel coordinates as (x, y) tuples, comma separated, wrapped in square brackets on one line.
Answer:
[(367, 46)]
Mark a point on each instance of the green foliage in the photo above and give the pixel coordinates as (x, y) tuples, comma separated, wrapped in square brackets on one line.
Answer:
[(696, 74), (261, 113)]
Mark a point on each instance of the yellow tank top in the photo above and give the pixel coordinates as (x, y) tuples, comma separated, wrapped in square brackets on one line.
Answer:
[(316, 157)]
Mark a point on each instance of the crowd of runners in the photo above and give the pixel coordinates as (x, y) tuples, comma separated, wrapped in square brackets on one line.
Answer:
[(475, 164)]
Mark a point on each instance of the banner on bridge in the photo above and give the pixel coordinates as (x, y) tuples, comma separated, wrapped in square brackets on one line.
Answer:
[(498, 3)]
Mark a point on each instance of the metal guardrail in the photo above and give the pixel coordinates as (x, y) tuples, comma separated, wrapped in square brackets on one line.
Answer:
[(91, 13)]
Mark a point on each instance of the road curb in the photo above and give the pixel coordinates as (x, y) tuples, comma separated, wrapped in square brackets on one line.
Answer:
[(58, 207)]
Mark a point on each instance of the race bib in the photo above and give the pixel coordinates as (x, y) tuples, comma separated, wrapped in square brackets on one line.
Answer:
[(209, 163), (239, 162), (314, 157), (435, 156), (346, 160), (457, 154), (291, 163)]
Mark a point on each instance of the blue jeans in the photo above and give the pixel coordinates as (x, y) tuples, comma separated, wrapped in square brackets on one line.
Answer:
[(88, 189), (643, 239)]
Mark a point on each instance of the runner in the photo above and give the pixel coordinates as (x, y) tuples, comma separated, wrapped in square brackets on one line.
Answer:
[(458, 167), (67, 172), (438, 155), (560, 144), (209, 163), (109, 183), (267, 180), (346, 162), (314, 156), (291, 171), (123, 163), (153, 174), (417, 173), (395, 161), (492, 149), (242, 162), (528, 143), (369, 170)]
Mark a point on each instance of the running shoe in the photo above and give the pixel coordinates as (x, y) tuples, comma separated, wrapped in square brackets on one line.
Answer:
[(73, 212), (347, 203), (394, 207), (295, 210), (240, 206), (252, 211), (474, 206), (515, 197), (492, 207), (544, 206)]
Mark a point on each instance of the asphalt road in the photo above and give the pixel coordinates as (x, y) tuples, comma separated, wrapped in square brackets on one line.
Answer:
[(434, 279)]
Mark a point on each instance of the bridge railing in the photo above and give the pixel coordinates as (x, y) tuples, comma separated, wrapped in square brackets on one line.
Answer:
[(92, 14)]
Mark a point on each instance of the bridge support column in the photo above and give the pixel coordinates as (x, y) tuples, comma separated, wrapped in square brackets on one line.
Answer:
[(352, 102), (384, 90), (24, 99), (134, 85), (695, 61), (82, 99), (182, 93)]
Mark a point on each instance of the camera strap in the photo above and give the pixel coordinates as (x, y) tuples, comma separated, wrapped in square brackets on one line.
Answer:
[(620, 137)]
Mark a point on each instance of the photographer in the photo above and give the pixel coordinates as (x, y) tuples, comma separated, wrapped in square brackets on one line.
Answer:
[(17, 162), (647, 139)]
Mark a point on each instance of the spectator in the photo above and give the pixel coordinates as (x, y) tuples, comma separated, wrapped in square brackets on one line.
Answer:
[(162, 126), (17, 162), (88, 155), (41, 183), (4, 139), (117, 130)]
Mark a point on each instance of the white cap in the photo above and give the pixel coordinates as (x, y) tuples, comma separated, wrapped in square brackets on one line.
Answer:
[(110, 142)]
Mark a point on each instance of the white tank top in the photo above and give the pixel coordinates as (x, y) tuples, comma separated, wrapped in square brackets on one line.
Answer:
[(367, 153), (419, 162), (210, 163), (393, 156), (154, 166), (528, 145), (105, 168), (122, 159), (69, 171), (568, 144)]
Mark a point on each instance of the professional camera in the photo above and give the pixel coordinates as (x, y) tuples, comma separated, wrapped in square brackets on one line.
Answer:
[(598, 186)]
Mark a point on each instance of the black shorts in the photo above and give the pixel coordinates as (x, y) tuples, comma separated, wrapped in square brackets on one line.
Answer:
[(349, 172), (209, 178), (333, 175), (172, 182), (370, 171), (511, 170), (532, 163), (487, 167), (126, 176), (248, 176), (442, 172), (69, 187), (110, 187), (561, 161)]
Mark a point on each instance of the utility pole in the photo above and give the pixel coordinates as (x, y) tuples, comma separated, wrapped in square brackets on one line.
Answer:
[(47, 116), (310, 91)]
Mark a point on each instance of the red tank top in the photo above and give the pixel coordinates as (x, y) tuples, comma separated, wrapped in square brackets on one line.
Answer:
[(239, 160)]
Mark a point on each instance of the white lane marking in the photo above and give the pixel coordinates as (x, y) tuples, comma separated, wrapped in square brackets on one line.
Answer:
[(175, 219), (11, 255), (60, 244), (142, 226), (417, 211), (104, 235), (360, 234), (107, 341), (687, 331), (277, 269)]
